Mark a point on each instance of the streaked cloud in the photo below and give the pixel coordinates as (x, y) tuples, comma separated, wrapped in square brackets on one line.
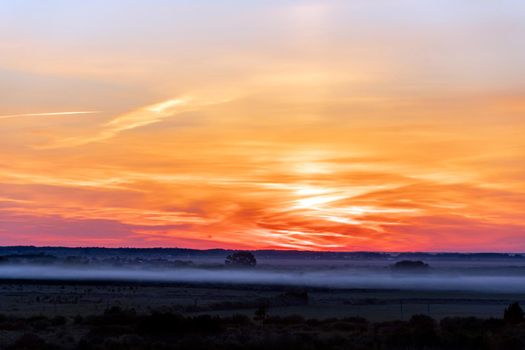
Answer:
[(137, 118), (49, 114)]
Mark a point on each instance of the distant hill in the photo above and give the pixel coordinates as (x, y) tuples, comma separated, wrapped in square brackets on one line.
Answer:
[(269, 254)]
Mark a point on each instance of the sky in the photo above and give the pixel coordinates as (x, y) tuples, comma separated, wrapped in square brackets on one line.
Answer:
[(392, 125)]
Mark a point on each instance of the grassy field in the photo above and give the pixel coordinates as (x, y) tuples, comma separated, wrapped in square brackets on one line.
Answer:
[(70, 298)]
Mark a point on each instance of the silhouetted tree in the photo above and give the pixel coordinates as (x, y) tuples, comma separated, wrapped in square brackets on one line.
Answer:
[(410, 265), (513, 313), (241, 259)]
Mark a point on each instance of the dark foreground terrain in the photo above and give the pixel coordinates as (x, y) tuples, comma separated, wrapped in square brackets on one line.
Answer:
[(62, 298), (118, 328), (23, 298), (64, 314)]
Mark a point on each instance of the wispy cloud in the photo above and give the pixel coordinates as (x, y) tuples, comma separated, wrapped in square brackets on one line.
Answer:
[(46, 114), (137, 118)]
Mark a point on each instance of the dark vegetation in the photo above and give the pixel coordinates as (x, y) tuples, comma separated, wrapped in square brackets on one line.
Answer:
[(513, 314), (178, 324), (119, 328), (241, 259), (95, 253), (410, 265)]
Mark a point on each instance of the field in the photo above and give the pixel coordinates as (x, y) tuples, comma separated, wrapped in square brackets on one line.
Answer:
[(70, 298), (55, 314), (108, 299)]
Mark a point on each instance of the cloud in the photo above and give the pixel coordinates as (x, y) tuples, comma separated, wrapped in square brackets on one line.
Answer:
[(48, 114), (137, 118)]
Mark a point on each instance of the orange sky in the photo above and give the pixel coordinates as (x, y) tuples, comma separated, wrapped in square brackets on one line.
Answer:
[(321, 125)]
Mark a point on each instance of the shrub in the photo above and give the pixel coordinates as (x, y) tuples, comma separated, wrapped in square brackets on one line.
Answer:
[(410, 265), (423, 330), (241, 259), (513, 313)]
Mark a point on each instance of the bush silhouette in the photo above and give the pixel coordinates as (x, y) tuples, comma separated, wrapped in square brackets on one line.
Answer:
[(410, 265), (241, 259), (424, 331), (513, 313)]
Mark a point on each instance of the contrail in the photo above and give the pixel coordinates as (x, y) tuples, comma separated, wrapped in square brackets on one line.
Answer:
[(140, 117), (46, 114)]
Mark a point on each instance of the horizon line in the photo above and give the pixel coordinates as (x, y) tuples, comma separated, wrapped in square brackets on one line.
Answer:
[(271, 249)]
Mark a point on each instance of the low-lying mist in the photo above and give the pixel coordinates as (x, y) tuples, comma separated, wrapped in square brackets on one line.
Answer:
[(334, 278)]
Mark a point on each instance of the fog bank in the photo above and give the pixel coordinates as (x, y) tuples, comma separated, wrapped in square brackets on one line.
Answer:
[(337, 278)]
